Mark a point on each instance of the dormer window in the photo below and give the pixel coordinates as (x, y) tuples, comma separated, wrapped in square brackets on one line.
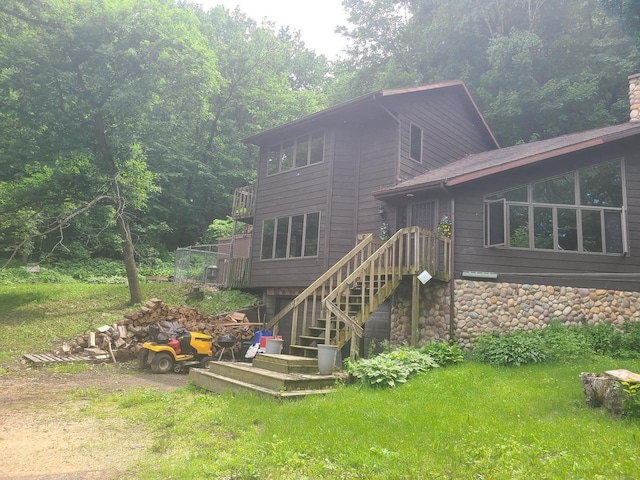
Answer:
[(296, 153)]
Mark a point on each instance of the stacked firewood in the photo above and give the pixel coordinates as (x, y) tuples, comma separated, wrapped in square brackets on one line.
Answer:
[(122, 340)]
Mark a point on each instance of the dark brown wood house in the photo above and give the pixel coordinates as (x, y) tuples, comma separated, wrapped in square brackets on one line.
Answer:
[(561, 212)]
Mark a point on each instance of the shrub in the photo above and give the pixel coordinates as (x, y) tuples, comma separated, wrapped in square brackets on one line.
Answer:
[(517, 348), (630, 347), (443, 353), (630, 398), (564, 344), (604, 339), (391, 368)]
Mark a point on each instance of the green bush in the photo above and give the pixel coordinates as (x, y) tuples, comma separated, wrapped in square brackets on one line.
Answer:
[(564, 344), (390, 368), (19, 274), (604, 339), (630, 398), (630, 347), (443, 353), (512, 349)]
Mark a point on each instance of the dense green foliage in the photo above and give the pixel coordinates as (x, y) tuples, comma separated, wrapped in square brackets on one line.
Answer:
[(443, 353), (122, 122), (558, 343)]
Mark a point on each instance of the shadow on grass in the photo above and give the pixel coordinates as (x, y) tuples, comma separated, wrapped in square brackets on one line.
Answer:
[(14, 300)]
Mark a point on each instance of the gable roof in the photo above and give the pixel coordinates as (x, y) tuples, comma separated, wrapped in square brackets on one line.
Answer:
[(483, 164), (365, 104)]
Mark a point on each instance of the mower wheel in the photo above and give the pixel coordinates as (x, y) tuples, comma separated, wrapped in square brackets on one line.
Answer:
[(204, 363), (143, 356), (162, 362), (177, 368)]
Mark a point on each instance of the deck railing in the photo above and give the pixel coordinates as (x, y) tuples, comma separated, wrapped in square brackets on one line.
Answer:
[(244, 202), (306, 306), (408, 252)]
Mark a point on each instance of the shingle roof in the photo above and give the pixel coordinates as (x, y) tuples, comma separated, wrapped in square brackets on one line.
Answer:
[(488, 163)]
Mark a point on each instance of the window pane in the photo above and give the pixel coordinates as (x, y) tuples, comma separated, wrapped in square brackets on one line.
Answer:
[(311, 236), (287, 156), (543, 228), (591, 231), (416, 143), (302, 151), (267, 239), (519, 226), (316, 155), (567, 229), (555, 190), (601, 185), (297, 226), (495, 224), (274, 156), (516, 195), (613, 231), (282, 235)]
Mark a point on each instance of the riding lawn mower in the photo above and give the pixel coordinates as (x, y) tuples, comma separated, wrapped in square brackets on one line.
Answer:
[(172, 347)]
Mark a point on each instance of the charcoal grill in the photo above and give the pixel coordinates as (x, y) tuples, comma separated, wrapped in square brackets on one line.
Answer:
[(226, 340)]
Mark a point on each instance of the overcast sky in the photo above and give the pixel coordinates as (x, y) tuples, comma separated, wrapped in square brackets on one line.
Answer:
[(316, 20)]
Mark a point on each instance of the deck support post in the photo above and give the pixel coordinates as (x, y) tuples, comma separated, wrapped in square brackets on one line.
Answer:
[(415, 311)]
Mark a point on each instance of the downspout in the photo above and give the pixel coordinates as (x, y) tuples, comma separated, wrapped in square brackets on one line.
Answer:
[(452, 280)]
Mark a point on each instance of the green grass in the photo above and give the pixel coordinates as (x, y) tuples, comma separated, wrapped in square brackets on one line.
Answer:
[(36, 318), (468, 421)]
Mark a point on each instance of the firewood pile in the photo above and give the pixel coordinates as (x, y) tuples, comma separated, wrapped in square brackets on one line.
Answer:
[(121, 341)]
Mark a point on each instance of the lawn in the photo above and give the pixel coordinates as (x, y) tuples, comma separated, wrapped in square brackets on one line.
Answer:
[(467, 421)]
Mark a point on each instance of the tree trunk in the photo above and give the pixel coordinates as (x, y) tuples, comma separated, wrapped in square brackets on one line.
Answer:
[(600, 391), (128, 256)]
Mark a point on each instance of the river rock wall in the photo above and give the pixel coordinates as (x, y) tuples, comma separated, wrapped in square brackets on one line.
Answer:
[(482, 307)]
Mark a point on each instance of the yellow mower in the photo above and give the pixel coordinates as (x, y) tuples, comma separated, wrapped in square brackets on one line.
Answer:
[(172, 347)]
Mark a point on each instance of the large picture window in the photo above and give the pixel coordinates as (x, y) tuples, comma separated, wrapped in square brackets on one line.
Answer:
[(580, 211), (297, 153), (291, 237)]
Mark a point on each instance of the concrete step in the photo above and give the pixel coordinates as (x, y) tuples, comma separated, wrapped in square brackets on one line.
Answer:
[(220, 384), (269, 379)]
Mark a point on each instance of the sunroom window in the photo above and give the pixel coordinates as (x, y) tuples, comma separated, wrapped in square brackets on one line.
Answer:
[(296, 153), (291, 237), (579, 211)]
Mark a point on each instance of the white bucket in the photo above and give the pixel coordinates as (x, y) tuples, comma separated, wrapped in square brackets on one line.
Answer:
[(326, 358), (273, 346)]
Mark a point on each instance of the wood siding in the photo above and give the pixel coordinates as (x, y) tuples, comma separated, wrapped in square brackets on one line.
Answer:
[(471, 255), (378, 165), (451, 130), (298, 191)]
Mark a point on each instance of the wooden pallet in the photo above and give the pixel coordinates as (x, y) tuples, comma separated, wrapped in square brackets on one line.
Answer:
[(44, 359)]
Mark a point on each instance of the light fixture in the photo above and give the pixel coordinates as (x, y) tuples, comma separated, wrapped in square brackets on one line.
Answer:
[(382, 212)]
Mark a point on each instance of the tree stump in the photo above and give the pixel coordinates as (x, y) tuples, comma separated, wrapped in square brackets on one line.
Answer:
[(601, 390)]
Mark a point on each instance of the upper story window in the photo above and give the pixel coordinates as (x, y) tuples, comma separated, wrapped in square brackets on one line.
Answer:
[(299, 152), (291, 237), (416, 143), (580, 211)]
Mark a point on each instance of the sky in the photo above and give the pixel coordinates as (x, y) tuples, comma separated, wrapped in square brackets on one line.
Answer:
[(316, 20)]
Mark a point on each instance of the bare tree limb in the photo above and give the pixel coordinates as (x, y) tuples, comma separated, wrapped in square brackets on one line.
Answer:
[(59, 225)]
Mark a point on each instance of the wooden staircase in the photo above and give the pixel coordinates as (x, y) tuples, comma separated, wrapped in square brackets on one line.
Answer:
[(278, 376), (334, 309)]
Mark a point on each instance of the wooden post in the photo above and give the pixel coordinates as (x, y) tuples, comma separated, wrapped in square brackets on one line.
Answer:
[(415, 311)]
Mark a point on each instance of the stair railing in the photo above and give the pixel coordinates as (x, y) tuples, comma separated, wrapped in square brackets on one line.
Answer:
[(306, 306), (408, 251)]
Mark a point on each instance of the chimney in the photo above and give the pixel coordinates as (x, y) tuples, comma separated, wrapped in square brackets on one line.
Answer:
[(634, 97)]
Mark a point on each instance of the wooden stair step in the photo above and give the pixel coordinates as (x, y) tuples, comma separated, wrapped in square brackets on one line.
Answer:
[(277, 381), (220, 384), (285, 363)]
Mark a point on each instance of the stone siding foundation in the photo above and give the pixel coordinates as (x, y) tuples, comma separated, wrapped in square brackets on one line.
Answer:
[(482, 307)]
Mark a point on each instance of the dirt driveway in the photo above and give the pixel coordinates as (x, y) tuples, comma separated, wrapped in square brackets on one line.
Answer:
[(42, 437)]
